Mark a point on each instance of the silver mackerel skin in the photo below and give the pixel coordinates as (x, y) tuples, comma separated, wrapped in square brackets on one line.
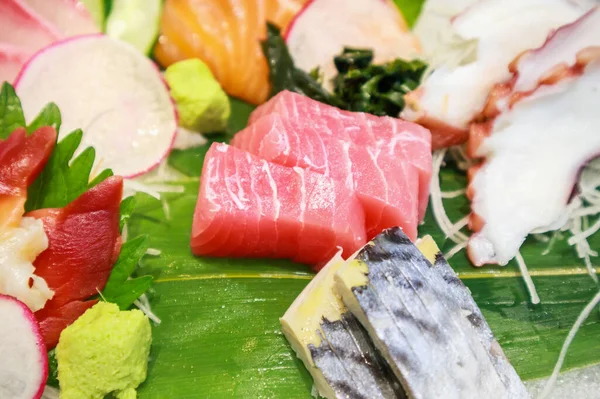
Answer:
[(350, 363), (425, 323)]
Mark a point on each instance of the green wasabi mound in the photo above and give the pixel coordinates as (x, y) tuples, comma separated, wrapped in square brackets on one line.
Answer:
[(105, 351), (202, 104)]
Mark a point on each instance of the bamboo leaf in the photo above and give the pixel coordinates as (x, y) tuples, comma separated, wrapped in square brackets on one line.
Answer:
[(220, 317)]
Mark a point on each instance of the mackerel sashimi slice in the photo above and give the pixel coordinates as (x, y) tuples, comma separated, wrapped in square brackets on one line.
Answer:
[(385, 137), (83, 245), (386, 186), (249, 207)]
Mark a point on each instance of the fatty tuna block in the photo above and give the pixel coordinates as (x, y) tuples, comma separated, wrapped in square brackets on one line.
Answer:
[(386, 185), (393, 137), (249, 207)]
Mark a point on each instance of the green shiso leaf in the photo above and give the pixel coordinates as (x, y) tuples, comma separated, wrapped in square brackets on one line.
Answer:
[(127, 208), (63, 178), (11, 113), (48, 116), (120, 288)]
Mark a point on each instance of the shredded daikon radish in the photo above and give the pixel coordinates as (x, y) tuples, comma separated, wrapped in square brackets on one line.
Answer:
[(152, 189), (586, 204), (153, 252), (535, 299), (563, 352), (456, 249), (166, 209), (453, 194), (452, 230), (50, 393), (143, 304), (437, 204)]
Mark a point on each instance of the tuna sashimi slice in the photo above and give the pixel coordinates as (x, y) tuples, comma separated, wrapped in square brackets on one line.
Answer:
[(83, 244), (400, 139), (386, 187), (19, 26), (22, 158), (248, 207)]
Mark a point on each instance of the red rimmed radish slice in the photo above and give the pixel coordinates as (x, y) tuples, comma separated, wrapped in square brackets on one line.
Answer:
[(12, 58), (24, 365), (70, 17), (21, 27), (112, 92), (323, 28)]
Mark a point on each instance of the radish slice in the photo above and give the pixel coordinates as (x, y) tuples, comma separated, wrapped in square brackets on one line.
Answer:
[(24, 365), (112, 92), (323, 28), (11, 60), (20, 27), (70, 17)]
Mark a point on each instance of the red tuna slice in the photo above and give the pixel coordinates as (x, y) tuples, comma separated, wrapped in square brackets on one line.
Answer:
[(23, 28), (22, 158), (268, 210), (83, 245), (363, 168), (53, 319), (12, 59), (408, 140)]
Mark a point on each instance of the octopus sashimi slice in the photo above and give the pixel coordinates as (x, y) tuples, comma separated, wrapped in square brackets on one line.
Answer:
[(497, 31), (536, 143)]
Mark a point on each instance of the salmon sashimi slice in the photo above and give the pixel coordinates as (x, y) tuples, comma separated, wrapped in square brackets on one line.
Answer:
[(249, 207), (408, 140), (386, 185), (83, 245), (226, 35), (22, 158)]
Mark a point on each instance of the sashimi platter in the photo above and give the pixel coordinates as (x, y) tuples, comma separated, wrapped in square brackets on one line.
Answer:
[(263, 199)]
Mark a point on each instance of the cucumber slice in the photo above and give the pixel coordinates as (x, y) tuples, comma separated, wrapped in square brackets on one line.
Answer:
[(135, 22)]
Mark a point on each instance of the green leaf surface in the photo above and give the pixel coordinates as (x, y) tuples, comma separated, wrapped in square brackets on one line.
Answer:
[(120, 288), (220, 332), (63, 178), (190, 160), (11, 113), (411, 9), (48, 116), (126, 209)]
